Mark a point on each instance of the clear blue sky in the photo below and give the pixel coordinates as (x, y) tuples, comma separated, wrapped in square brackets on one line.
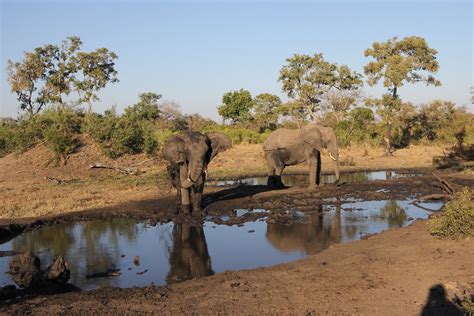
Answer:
[(193, 52)]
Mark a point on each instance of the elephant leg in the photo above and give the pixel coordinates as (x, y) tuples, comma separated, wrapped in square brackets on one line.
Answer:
[(318, 167), (312, 173), (198, 189), (278, 173), (276, 167), (185, 201)]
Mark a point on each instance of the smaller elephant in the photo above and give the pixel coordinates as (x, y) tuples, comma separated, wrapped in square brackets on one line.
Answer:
[(285, 147), (188, 155)]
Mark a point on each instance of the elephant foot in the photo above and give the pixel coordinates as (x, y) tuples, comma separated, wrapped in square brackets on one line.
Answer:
[(186, 208), (275, 182)]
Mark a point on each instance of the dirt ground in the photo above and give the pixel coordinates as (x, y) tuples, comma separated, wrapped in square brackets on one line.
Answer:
[(402, 271), (26, 192)]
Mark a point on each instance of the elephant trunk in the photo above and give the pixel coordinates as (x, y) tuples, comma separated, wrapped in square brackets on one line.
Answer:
[(196, 168)]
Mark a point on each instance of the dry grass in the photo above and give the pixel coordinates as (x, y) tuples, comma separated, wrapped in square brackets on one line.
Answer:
[(26, 193)]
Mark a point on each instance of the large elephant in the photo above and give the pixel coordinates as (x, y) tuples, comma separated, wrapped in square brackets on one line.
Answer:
[(188, 155), (286, 147)]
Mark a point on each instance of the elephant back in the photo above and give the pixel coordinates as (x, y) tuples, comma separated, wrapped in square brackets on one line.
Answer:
[(281, 138)]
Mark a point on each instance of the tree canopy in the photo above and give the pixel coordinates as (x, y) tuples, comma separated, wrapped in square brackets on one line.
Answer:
[(236, 106), (306, 79), (52, 72)]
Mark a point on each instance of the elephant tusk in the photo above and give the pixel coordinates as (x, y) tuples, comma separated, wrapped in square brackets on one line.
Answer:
[(332, 157)]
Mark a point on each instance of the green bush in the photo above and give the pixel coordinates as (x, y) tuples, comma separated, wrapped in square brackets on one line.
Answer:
[(119, 135), (59, 128), (458, 218)]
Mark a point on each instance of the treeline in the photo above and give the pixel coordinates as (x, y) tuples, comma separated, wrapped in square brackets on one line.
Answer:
[(54, 82)]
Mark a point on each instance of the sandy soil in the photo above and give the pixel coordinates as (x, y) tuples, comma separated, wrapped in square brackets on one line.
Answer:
[(26, 192)]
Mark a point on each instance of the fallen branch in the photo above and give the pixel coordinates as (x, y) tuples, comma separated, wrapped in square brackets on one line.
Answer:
[(58, 181), (138, 164), (422, 207), (433, 197), (124, 170), (448, 187)]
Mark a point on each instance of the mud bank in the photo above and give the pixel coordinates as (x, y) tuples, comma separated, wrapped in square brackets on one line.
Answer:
[(390, 273)]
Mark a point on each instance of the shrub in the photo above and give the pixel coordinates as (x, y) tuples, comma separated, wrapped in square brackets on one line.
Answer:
[(119, 135), (458, 218), (60, 128)]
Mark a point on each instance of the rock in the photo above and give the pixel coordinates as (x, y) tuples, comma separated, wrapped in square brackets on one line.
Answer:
[(25, 270), (136, 260), (58, 271)]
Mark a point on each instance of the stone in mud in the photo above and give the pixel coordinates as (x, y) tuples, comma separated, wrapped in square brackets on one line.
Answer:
[(58, 271), (136, 260), (25, 270)]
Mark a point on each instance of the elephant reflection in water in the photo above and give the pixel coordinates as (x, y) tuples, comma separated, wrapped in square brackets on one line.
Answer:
[(189, 258), (310, 236)]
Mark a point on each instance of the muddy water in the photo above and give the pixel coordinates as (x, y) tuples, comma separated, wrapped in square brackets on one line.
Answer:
[(171, 253), (300, 179)]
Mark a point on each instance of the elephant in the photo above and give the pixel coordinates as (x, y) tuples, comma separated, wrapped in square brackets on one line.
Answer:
[(286, 147), (188, 155), (190, 257)]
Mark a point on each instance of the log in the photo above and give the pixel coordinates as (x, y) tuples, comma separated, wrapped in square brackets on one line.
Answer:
[(124, 170), (448, 187), (58, 181), (434, 197)]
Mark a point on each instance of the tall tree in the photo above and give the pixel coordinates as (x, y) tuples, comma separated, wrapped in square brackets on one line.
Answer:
[(408, 60), (51, 72), (236, 106), (266, 112), (306, 79)]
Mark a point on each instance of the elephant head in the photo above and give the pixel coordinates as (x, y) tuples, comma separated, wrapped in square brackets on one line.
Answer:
[(319, 136), (328, 137), (189, 152)]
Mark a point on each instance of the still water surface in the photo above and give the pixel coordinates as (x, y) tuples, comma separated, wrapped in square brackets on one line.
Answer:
[(174, 252), (301, 179)]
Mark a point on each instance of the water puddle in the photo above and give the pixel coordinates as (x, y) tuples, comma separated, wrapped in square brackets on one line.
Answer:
[(300, 179), (139, 254)]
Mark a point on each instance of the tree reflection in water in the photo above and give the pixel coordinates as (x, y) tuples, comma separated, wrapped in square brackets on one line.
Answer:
[(394, 214), (88, 247), (189, 257)]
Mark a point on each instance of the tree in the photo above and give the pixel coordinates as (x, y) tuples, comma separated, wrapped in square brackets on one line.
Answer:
[(146, 108), (340, 102), (306, 79), (236, 106), (398, 61), (266, 110), (50, 73)]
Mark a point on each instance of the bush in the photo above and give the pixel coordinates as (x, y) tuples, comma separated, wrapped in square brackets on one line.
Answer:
[(59, 128), (119, 135), (17, 136), (458, 218)]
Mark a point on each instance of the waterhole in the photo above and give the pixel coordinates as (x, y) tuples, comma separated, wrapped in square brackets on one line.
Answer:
[(302, 179), (126, 253)]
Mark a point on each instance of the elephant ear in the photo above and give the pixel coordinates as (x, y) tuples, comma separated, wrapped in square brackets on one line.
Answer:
[(174, 150), (312, 136), (219, 142)]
